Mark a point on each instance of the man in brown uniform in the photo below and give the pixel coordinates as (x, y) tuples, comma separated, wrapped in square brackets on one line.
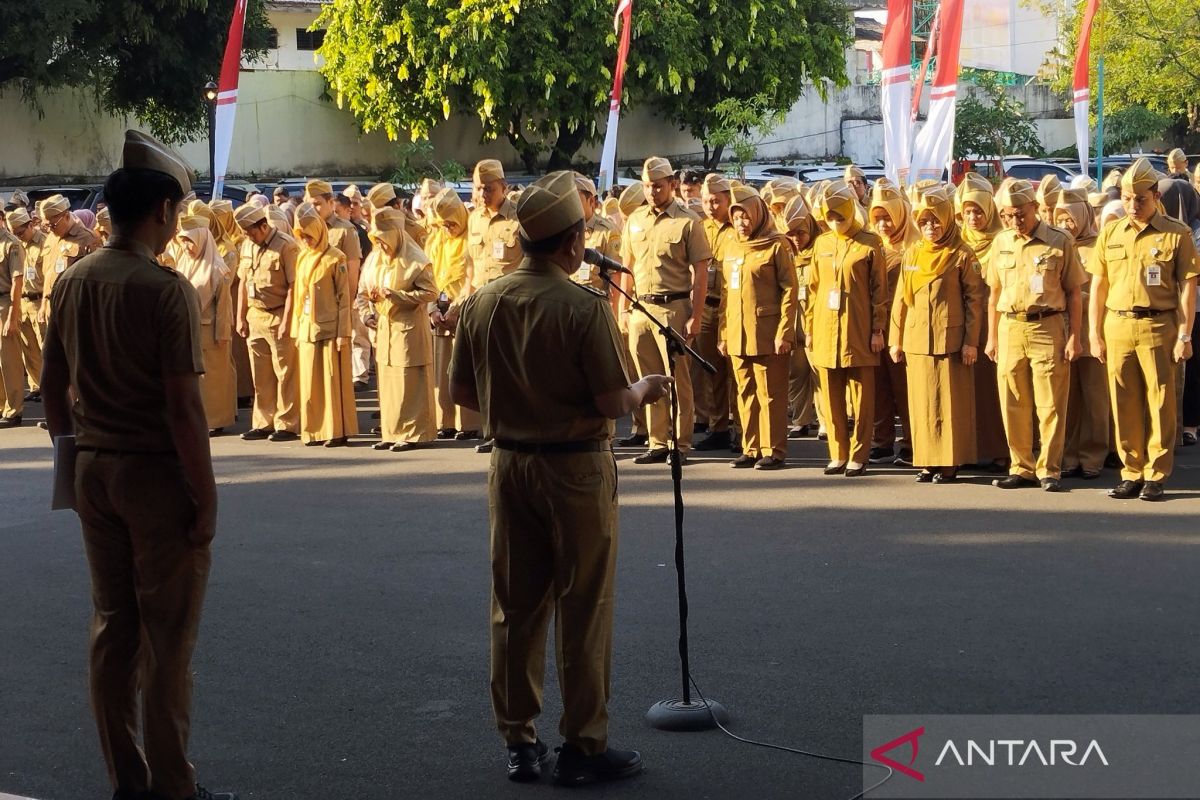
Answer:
[(716, 197), (1035, 278), (33, 321), (540, 357), (856, 179), (12, 367), (665, 247), (67, 241), (600, 234), (123, 343), (1143, 304), (267, 269)]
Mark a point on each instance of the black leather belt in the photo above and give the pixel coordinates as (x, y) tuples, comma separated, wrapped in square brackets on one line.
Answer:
[(1143, 313), (712, 302), (37, 296), (669, 297), (108, 451), (1030, 316), (553, 448)]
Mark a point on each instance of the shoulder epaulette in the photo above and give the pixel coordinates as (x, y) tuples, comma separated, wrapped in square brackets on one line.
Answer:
[(590, 290)]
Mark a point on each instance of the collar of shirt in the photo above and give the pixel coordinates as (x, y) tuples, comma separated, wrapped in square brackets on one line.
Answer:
[(542, 266), (131, 246), (507, 210), (674, 209)]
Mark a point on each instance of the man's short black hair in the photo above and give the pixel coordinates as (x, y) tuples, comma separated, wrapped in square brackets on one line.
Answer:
[(282, 190), (343, 201), (133, 194), (10, 207), (544, 247), (691, 176)]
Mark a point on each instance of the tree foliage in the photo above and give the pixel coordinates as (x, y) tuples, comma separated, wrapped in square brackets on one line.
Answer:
[(1127, 128), (736, 121), (994, 126), (148, 58), (538, 72)]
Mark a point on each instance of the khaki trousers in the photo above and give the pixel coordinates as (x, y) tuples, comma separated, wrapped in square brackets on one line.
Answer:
[(553, 551), (33, 337), (848, 392), (12, 368), (1032, 375), (1142, 379), (714, 393), (762, 404), (639, 418), (891, 401), (148, 583), (650, 355), (1088, 416), (449, 415), (273, 364)]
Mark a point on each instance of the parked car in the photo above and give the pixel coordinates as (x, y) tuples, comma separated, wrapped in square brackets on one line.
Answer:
[(81, 196), (1033, 170)]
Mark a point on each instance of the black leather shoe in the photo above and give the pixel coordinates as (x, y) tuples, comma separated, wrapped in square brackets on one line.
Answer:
[(205, 794), (769, 462), (573, 768), (1152, 490), (382, 446), (881, 455), (1073, 472), (945, 477), (11, 422), (360, 387), (683, 459), (1015, 482), (485, 447), (1126, 490), (447, 433), (904, 459), (36, 397), (838, 470), (283, 436), (856, 472), (656, 456), (799, 433), (401, 447), (257, 434), (215, 432), (338, 442), (717, 440), (925, 476), (743, 461), (525, 761), (1050, 485), (633, 440), (466, 436)]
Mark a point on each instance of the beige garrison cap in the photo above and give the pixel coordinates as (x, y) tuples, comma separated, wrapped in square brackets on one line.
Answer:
[(145, 152), (549, 206)]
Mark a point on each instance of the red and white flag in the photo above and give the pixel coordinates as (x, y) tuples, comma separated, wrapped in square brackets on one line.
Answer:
[(227, 90), (934, 144), (1082, 93), (896, 90), (622, 23)]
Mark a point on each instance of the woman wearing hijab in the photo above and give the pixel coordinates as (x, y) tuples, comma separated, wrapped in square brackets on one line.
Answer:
[(401, 289), (1048, 191), (980, 224), (197, 260), (844, 323), (231, 237), (321, 328), (1088, 409), (756, 327), (890, 218), (936, 319), (802, 380), (103, 224), (447, 249)]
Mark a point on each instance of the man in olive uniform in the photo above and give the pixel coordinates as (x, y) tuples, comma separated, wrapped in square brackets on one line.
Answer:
[(1036, 280), (122, 373), (601, 235), (664, 246), (267, 268), (12, 367), (716, 197), (539, 357), (492, 240), (67, 241), (1143, 304), (33, 321)]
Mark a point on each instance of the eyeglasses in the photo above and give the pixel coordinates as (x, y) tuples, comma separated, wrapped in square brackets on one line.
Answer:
[(1014, 216)]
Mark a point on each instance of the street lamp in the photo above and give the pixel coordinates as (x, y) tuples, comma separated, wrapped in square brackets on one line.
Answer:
[(210, 97)]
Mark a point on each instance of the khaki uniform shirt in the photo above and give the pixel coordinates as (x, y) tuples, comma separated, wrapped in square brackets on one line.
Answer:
[(344, 236), (12, 262), (717, 233), (404, 338), (602, 235), (58, 253), (660, 247), (268, 271), (122, 324), (946, 313), (322, 303), (847, 299), (492, 242), (538, 349), (33, 263), (1033, 274), (1145, 268), (759, 303)]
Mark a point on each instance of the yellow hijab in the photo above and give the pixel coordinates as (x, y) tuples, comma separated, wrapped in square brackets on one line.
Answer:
[(206, 271), (931, 259), (309, 222), (887, 196), (979, 192)]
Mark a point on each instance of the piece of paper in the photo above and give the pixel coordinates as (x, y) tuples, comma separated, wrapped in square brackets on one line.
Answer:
[(64, 473)]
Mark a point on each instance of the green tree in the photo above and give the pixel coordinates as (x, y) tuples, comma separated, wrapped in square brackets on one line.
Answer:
[(538, 72), (736, 121), (994, 126), (1128, 127), (147, 58)]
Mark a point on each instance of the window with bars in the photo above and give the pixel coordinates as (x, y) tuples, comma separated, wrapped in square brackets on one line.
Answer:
[(309, 40)]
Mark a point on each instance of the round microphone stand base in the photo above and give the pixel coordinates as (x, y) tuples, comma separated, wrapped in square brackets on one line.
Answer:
[(678, 715)]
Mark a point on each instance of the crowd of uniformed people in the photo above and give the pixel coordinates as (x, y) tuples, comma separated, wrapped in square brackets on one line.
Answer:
[(1039, 332)]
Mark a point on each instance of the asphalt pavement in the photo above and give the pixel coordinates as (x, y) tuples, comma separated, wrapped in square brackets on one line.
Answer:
[(343, 651)]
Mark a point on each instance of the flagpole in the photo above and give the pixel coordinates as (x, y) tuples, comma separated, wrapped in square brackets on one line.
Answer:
[(1100, 120), (608, 158)]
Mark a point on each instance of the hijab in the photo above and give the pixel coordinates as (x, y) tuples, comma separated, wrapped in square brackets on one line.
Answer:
[(205, 271), (887, 196), (763, 231), (931, 259), (980, 193)]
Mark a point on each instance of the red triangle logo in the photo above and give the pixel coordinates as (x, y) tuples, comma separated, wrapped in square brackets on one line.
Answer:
[(911, 739)]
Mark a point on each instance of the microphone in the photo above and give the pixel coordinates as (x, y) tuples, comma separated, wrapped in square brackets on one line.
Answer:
[(606, 264)]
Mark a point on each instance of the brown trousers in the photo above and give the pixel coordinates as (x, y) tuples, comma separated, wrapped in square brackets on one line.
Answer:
[(712, 392), (33, 336), (554, 551), (449, 415), (891, 401), (762, 404), (857, 386), (802, 384), (273, 363), (12, 369), (1089, 426), (148, 583)]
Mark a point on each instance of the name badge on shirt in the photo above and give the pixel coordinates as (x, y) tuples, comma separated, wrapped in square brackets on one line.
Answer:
[(1037, 283), (251, 291), (60, 266), (910, 267), (307, 306), (30, 274), (735, 274), (1154, 275), (584, 272), (498, 249), (803, 293), (834, 301)]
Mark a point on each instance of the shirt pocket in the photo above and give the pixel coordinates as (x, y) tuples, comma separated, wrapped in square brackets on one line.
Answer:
[(324, 304)]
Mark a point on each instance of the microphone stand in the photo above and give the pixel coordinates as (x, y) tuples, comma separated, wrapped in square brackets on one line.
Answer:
[(676, 714)]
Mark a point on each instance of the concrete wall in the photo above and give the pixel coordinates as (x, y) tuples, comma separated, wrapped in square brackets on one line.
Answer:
[(284, 127), (287, 56)]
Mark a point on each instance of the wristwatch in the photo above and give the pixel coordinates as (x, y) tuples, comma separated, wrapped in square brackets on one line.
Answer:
[(1185, 338)]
